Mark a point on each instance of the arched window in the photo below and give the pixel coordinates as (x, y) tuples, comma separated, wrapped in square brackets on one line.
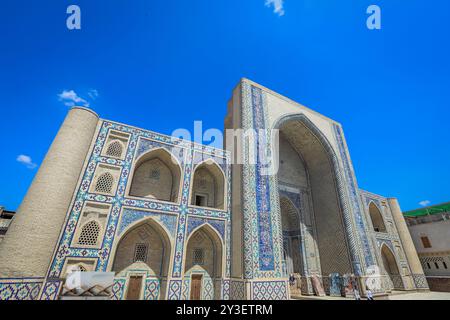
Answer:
[(208, 186), (115, 149), (377, 218), (104, 183), (89, 234)]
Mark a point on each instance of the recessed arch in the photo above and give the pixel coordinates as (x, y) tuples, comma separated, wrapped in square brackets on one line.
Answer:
[(208, 185), (390, 266), (156, 175), (203, 257), (324, 182), (290, 219), (153, 263), (376, 217), (290, 225), (145, 231)]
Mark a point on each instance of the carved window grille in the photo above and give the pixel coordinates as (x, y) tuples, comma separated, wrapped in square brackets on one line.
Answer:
[(155, 174), (104, 183), (199, 256), (140, 252), (115, 149), (89, 234)]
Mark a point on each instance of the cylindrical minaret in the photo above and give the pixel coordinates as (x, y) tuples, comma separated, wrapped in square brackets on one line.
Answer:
[(28, 246), (408, 244)]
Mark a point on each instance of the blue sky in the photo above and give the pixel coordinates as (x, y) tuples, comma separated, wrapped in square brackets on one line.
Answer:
[(161, 65)]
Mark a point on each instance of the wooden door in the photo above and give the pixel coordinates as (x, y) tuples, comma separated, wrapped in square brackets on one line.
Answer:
[(134, 288), (196, 286)]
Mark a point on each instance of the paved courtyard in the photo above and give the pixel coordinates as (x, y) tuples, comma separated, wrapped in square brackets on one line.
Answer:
[(398, 295), (420, 296)]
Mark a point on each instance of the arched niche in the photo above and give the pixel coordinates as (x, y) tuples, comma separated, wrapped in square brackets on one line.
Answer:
[(391, 267), (156, 175), (208, 186), (203, 261), (320, 177), (290, 223), (377, 218), (145, 244)]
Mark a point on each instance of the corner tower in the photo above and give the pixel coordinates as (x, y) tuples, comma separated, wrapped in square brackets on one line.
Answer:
[(27, 249)]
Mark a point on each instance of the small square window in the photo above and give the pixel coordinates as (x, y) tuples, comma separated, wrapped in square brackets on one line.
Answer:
[(200, 200), (140, 252), (425, 242), (154, 174), (199, 256)]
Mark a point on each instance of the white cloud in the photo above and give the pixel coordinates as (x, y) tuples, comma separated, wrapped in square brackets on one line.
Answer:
[(277, 6), (71, 99), (424, 203), (26, 160), (93, 94)]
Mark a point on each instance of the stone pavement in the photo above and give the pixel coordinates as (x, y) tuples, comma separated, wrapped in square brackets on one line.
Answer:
[(432, 295), (396, 295)]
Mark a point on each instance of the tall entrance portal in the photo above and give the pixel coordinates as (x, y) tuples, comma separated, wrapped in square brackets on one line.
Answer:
[(314, 241)]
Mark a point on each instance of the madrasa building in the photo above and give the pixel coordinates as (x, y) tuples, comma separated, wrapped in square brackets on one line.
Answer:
[(173, 219)]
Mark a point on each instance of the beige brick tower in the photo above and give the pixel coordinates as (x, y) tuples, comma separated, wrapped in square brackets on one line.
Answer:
[(408, 245), (28, 246)]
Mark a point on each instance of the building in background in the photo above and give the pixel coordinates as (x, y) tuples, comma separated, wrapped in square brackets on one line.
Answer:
[(5, 220), (430, 231)]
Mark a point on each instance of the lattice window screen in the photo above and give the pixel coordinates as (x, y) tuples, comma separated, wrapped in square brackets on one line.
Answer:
[(89, 234), (104, 183), (199, 256), (140, 252), (114, 149)]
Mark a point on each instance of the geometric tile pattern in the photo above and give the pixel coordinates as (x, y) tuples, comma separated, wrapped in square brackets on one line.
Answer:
[(130, 215), (226, 290), (420, 281), (151, 289), (263, 206), (174, 290), (194, 222), (262, 225), (237, 290), (186, 289), (207, 289), (118, 289), (23, 289), (269, 290), (354, 198), (51, 290)]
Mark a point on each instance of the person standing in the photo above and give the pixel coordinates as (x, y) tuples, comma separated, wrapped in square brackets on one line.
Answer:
[(355, 290), (369, 294)]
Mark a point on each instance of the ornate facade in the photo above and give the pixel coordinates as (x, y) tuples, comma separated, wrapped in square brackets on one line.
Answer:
[(179, 220)]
